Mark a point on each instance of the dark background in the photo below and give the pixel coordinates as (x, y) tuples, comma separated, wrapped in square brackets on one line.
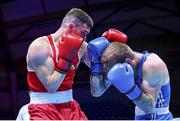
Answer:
[(152, 25)]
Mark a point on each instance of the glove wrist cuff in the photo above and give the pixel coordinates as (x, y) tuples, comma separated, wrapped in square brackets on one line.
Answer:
[(96, 74), (134, 93), (96, 68)]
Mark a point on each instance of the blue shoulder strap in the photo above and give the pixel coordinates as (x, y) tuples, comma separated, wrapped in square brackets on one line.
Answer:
[(139, 74)]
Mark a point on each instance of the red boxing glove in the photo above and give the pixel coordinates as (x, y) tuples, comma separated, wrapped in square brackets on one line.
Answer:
[(115, 35), (68, 48)]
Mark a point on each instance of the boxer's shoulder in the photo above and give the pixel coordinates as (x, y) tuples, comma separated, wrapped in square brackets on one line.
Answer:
[(40, 42), (38, 49), (153, 69), (153, 62)]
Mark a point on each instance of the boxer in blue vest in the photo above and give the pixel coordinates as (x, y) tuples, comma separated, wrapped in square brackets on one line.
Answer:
[(142, 77)]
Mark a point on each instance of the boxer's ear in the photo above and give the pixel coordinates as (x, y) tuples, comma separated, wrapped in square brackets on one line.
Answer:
[(127, 60), (71, 26)]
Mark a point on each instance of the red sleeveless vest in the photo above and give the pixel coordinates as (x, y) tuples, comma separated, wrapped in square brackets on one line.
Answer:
[(35, 84)]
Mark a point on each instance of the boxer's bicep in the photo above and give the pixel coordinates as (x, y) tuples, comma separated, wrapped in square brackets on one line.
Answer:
[(151, 84), (40, 60), (152, 78), (50, 79), (44, 68)]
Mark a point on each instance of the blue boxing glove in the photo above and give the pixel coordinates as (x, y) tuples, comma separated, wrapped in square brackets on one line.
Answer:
[(122, 77), (95, 50)]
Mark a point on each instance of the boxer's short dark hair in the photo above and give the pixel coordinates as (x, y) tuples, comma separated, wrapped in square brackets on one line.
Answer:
[(81, 15), (115, 53)]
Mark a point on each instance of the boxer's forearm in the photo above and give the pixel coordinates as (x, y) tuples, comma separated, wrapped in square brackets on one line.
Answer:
[(56, 79), (145, 102), (51, 81), (98, 85)]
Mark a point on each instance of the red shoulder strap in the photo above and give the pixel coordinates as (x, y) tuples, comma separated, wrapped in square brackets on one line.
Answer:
[(53, 47)]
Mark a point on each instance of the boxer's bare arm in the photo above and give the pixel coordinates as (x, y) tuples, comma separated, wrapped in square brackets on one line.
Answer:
[(152, 80), (98, 85), (85, 57), (40, 59)]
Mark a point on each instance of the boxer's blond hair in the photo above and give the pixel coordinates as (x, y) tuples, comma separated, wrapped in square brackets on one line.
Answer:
[(80, 15), (115, 53)]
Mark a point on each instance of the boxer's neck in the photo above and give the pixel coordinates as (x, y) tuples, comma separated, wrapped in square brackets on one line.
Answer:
[(58, 34)]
